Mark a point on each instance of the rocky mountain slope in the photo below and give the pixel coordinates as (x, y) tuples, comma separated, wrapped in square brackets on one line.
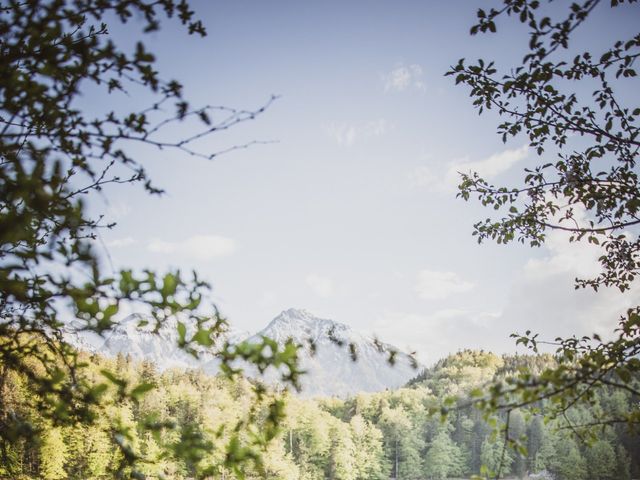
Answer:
[(326, 354), (331, 369)]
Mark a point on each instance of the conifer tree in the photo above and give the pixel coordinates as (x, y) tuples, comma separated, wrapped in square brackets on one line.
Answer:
[(443, 458), (601, 460), (53, 455)]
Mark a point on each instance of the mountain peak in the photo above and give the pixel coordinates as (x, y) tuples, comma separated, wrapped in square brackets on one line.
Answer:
[(299, 315), (329, 366), (294, 313), (302, 326)]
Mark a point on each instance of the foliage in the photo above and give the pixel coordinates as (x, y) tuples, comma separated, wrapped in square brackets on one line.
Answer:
[(358, 438), (493, 460), (442, 458), (601, 460), (55, 152), (568, 463), (585, 186), (218, 413), (53, 453)]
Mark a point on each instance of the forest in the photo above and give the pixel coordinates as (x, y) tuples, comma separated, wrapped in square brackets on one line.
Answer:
[(392, 434), (86, 107)]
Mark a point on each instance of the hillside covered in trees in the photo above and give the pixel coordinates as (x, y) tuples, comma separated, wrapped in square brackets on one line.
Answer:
[(391, 434)]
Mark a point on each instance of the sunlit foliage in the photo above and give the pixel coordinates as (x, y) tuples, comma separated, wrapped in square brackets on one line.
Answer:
[(55, 152), (372, 436), (574, 110)]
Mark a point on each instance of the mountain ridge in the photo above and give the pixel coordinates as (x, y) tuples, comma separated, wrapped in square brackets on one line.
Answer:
[(325, 354)]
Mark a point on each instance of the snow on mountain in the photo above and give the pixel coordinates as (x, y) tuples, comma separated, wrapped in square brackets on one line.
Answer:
[(161, 348), (330, 369)]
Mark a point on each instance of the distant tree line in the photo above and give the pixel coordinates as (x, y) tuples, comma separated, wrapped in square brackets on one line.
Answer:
[(391, 434)]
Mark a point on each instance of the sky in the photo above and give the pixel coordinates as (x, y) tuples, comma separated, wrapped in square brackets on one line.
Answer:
[(350, 210)]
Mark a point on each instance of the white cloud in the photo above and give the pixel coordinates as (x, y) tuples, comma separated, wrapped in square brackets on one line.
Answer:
[(540, 296), (120, 242), (347, 134), (448, 179), (578, 258), (434, 285), (321, 286), (544, 299), (200, 247), (435, 335), (404, 77), (487, 168)]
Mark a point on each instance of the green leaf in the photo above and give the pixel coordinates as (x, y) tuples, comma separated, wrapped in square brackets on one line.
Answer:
[(182, 332), (203, 337), (141, 389)]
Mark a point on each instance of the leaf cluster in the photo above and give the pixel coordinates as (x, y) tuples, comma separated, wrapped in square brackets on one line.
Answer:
[(54, 153), (568, 104)]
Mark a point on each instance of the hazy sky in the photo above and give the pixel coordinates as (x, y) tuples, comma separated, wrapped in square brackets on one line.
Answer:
[(352, 214)]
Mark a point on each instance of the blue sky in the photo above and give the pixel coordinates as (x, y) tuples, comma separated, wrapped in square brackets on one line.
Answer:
[(352, 213)]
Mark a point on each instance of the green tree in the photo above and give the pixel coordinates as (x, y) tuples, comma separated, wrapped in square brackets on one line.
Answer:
[(279, 465), (53, 455), (495, 458), (601, 460), (310, 440), (342, 460), (623, 461), (585, 185), (443, 458), (402, 443), (53, 154), (567, 462), (96, 452), (545, 455), (369, 458), (517, 430), (463, 437), (535, 439), (480, 432)]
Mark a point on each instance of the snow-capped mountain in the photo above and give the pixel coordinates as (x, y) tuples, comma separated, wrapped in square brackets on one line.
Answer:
[(127, 337), (330, 369), (329, 366)]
